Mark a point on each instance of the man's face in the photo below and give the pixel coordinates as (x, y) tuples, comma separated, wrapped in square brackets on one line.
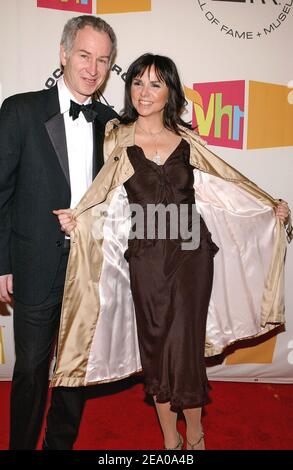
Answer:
[(87, 65)]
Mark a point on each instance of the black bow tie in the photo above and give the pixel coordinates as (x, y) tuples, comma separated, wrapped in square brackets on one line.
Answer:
[(88, 111)]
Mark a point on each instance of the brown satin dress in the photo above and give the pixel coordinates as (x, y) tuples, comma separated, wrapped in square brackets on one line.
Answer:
[(171, 287)]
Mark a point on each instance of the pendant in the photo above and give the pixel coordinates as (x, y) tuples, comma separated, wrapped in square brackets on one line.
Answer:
[(157, 159)]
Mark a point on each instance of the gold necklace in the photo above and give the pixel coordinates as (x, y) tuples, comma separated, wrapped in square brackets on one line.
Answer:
[(157, 158)]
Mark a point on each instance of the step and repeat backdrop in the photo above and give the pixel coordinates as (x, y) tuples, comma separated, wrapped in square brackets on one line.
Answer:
[(236, 63)]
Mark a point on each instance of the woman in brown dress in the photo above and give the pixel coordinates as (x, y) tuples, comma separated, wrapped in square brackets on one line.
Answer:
[(170, 310), (171, 286)]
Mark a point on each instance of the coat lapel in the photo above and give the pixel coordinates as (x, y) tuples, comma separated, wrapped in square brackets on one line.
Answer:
[(95, 155), (55, 126), (98, 140), (56, 130), (98, 157)]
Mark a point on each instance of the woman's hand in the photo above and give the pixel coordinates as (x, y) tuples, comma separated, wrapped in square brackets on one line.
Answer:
[(66, 220), (282, 211)]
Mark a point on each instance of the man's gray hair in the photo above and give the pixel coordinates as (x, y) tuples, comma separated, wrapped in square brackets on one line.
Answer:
[(72, 27)]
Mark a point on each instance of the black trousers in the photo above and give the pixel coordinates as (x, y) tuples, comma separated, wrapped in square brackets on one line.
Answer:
[(35, 330)]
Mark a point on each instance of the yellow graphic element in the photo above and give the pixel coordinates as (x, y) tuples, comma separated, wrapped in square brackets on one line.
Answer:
[(2, 356), (260, 354), (125, 6), (204, 122), (76, 1), (270, 116)]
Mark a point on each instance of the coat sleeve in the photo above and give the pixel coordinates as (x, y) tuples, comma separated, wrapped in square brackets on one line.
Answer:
[(9, 159)]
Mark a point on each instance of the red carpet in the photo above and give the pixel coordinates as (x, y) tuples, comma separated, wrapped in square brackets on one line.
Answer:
[(241, 416)]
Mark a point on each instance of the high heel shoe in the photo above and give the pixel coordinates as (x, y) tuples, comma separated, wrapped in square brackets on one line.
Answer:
[(197, 445), (179, 445)]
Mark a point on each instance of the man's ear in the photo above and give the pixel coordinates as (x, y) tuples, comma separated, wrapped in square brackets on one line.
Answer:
[(62, 55)]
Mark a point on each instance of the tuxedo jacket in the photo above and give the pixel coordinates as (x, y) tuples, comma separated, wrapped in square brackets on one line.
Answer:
[(34, 180)]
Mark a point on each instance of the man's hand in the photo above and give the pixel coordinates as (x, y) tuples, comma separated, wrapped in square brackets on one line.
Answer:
[(66, 220), (6, 287)]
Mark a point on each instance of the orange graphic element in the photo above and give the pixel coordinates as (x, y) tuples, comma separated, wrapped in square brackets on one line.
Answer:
[(125, 6), (194, 96), (270, 116), (2, 356), (261, 354)]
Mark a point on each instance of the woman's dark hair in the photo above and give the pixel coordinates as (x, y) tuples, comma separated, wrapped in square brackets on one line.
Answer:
[(166, 71)]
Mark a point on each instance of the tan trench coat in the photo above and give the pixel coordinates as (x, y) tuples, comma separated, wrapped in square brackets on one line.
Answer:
[(97, 338)]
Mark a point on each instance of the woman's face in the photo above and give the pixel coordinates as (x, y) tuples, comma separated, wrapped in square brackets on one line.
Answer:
[(149, 94)]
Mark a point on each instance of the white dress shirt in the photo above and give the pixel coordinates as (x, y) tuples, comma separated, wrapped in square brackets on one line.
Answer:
[(79, 138)]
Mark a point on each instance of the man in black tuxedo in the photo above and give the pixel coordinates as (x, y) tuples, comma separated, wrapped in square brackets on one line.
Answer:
[(51, 147)]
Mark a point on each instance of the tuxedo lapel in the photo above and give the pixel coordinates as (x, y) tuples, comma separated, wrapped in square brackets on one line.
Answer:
[(98, 140), (95, 166), (54, 123), (56, 130)]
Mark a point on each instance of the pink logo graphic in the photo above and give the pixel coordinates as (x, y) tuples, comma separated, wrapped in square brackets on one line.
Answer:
[(82, 6), (219, 112)]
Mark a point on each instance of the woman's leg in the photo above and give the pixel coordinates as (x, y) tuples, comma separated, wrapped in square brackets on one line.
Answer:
[(168, 422), (194, 433)]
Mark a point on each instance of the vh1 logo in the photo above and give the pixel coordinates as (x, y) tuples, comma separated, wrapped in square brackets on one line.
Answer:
[(82, 6), (219, 113), (102, 6)]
